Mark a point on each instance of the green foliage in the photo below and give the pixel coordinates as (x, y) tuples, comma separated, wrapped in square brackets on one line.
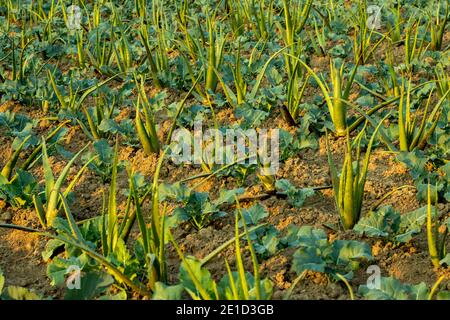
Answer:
[(388, 223), (393, 289), (296, 197), (317, 254), (427, 169), (103, 159), (197, 207)]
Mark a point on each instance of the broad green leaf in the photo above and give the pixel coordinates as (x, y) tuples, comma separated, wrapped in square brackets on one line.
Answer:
[(50, 247), (175, 191), (296, 197), (201, 274), (251, 116), (350, 253), (393, 289), (228, 196), (92, 284), (254, 214), (58, 269), (446, 260), (305, 236), (268, 245), (104, 150), (411, 224), (165, 292), (415, 161), (308, 259), (383, 222)]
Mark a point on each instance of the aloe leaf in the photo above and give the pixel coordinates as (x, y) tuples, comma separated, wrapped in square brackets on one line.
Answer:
[(9, 166), (239, 262), (113, 227), (73, 225), (55, 187)]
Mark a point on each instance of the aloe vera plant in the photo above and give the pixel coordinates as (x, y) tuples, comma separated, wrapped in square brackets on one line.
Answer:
[(18, 67), (157, 55), (121, 46), (349, 187), (295, 91), (414, 45), (391, 85), (442, 79), (214, 55), (240, 94), (335, 100), (258, 15), (362, 43), (53, 187), (295, 17), (394, 24), (8, 168), (7, 171), (95, 116), (436, 241), (99, 53), (318, 39), (411, 136), (437, 26), (146, 130)]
